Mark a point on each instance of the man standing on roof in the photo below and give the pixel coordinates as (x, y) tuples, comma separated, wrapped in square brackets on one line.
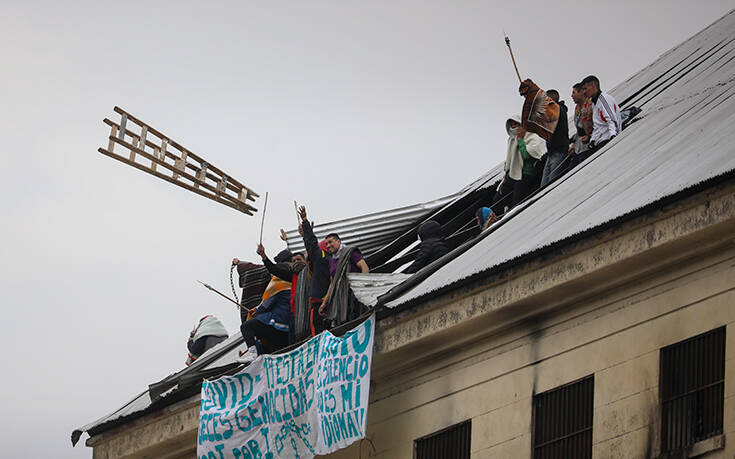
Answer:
[(318, 257), (431, 248), (339, 251), (579, 149), (558, 145), (270, 328), (208, 333), (524, 150), (337, 306), (606, 122)]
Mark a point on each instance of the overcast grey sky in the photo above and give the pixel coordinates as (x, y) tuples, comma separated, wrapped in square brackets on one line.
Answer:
[(349, 107)]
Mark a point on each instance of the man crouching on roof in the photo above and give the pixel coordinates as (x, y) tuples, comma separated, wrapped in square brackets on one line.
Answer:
[(269, 330), (208, 333)]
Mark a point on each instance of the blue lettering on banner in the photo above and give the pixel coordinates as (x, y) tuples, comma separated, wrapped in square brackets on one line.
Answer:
[(311, 400)]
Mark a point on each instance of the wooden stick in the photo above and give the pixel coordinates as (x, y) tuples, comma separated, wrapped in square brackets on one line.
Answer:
[(262, 221), (507, 42), (298, 215)]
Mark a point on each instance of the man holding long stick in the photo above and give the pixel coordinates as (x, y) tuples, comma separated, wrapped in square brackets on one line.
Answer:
[(540, 112)]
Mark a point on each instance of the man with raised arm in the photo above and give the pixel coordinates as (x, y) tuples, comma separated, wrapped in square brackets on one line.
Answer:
[(270, 328), (319, 261)]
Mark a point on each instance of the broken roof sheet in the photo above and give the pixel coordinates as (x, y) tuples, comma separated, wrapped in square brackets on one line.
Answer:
[(382, 235), (371, 232), (684, 139), (368, 287)]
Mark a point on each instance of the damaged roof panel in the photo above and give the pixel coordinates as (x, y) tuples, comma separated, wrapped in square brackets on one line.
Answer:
[(368, 287), (372, 231)]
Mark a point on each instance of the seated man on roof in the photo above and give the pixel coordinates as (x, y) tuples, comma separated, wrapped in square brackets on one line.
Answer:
[(485, 217), (208, 333), (432, 246), (524, 151), (606, 122), (269, 330)]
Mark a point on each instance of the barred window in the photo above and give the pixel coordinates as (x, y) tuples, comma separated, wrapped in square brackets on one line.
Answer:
[(452, 442), (692, 390), (563, 421)]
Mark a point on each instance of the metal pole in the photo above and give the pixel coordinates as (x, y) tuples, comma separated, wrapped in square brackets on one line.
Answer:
[(223, 295), (262, 221)]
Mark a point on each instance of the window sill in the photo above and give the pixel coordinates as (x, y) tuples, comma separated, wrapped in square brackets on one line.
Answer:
[(707, 446), (699, 449)]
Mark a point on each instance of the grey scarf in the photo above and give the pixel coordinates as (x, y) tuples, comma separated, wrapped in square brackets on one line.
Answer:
[(337, 303)]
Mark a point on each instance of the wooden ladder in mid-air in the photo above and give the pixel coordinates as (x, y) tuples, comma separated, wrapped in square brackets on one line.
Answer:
[(151, 151)]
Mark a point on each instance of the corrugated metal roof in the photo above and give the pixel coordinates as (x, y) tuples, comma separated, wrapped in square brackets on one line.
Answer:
[(373, 231), (686, 137), (368, 287), (376, 231), (454, 216)]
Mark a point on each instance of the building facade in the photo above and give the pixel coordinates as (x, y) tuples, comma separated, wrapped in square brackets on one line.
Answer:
[(594, 323)]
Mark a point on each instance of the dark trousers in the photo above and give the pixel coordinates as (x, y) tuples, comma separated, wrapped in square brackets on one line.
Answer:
[(203, 344), (578, 159), (270, 339), (244, 312), (318, 321), (512, 192)]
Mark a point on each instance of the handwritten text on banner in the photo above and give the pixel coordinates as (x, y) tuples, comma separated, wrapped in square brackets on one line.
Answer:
[(312, 400)]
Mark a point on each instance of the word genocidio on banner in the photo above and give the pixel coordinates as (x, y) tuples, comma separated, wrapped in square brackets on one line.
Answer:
[(312, 400)]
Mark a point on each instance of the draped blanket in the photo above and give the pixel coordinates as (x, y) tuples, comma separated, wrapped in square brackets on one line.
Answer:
[(540, 112), (253, 279), (338, 297), (302, 307)]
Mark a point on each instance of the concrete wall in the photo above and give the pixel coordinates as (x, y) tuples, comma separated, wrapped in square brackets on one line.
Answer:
[(608, 314), (616, 337), (170, 433)]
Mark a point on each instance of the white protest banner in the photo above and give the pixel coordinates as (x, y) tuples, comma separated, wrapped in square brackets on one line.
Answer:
[(312, 400)]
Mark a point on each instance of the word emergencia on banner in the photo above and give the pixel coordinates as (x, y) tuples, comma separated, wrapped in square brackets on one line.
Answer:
[(312, 400)]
